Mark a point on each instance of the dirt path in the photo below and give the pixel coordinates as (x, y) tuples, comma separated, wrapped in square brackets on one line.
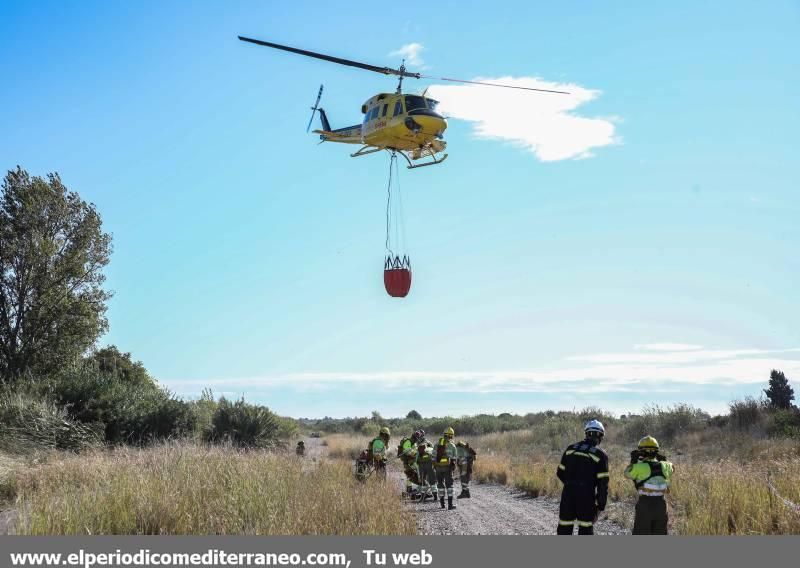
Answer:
[(495, 509), (7, 519)]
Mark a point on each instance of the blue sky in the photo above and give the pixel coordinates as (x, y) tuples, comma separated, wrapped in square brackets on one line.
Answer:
[(637, 244)]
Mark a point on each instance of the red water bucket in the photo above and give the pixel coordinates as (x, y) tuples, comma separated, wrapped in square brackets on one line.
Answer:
[(397, 281)]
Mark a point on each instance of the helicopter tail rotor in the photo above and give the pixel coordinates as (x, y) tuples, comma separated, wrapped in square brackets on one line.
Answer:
[(315, 108)]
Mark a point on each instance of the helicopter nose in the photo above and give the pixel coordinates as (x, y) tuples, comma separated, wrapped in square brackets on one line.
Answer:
[(431, 124)]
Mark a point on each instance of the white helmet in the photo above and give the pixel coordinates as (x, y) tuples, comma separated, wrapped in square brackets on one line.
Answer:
[(594, 426)]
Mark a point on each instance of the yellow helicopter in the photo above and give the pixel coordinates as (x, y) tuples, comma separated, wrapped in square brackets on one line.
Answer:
[(406, 124)]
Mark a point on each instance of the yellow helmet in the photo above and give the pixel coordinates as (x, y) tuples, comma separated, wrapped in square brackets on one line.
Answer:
[(385, 431), (648, 443), (449, 432)]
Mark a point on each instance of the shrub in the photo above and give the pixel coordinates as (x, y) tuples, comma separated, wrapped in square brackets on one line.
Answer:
[(784, 423), (244, 425), (131, 407), (745, 414), (29, 424), (664, 423)]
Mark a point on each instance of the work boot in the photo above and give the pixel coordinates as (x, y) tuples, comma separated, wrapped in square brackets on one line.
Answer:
[(441, 501), (464, 494), (450, 505)]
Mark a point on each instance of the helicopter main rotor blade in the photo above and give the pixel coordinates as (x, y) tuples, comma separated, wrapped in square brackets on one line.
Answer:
[(384, 70), (490, 84), (339, 60)]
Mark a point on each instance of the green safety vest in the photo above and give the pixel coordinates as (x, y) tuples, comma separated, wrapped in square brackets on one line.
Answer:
[(651, 478)]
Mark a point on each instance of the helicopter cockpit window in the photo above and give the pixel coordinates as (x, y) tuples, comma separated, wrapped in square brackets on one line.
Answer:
[(372, 114), (398, 108), (414, 102), (385, 108), (432, 104)]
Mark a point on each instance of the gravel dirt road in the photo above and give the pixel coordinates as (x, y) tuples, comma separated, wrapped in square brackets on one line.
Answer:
[(495, 509)]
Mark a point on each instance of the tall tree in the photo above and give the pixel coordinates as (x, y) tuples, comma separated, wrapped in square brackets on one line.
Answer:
[(52, 255), (779, 393)]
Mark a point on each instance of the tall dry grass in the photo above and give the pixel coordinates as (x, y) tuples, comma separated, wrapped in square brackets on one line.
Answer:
[(345, 446), (189, 490)]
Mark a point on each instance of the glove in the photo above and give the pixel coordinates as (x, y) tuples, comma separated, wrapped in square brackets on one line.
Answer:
[(634, 456), (661, 457)]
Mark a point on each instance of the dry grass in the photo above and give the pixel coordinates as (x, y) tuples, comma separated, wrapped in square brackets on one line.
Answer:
[(8, 481), (345, 446), (184, 489)]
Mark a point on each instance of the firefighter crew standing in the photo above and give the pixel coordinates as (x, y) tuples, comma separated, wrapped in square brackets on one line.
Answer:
[(300, 450), (584, 472), (466, 455), (446, 455), (651, 474), (427, 474)]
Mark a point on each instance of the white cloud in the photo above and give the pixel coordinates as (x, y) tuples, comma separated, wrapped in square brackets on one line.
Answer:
[(411, 53), (643, 373), (542, 123), (668, 347)]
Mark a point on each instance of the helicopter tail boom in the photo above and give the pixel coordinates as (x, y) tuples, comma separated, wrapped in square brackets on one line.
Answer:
[(347, 135)]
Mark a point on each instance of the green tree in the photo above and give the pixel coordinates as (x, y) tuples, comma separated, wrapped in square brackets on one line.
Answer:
[(111, 360), (52, 254), (414, 415), (779, 393)]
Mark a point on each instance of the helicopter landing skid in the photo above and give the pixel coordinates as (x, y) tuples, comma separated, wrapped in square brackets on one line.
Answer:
[(366, 150), (433, 161)]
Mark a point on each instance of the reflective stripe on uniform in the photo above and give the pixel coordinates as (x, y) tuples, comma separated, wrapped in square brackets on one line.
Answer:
[(561, 467), (651, 493), (566, 523), (583, 454), (585, 524), (602, 475)]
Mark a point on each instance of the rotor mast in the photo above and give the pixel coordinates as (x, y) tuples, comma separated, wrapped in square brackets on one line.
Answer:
[(402, 73)]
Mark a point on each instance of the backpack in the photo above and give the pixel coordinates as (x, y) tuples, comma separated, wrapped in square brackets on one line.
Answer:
[(400, 445), (370, 456)]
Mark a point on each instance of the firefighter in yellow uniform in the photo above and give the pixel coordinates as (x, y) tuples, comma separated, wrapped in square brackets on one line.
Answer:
[(651, 473), (407, 452), (445, 464), (377, 450), (584, 472), (427, 474), (466, 457)]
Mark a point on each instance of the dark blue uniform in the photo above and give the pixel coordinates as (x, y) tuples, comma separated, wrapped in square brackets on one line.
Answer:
[(584, 472)]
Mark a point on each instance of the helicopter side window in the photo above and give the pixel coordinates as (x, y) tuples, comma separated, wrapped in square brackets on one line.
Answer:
[(385, 108), (398, 108)]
